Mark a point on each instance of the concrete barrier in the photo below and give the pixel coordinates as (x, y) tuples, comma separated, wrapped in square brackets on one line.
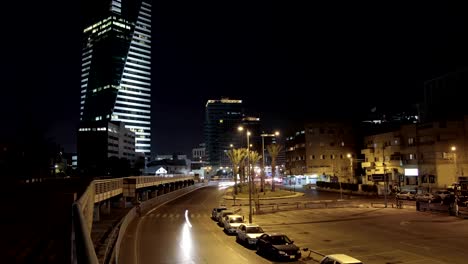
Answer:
[(145, 207)]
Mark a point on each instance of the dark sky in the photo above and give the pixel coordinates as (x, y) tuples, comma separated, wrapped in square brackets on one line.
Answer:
[(287, 61)]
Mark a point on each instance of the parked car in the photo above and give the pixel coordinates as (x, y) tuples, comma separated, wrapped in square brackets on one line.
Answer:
[(277, 246), (406, 195), (426, 197), (442, 194), (232, 222), (248, 234), (223, 214), (216, 211), (339, 259)]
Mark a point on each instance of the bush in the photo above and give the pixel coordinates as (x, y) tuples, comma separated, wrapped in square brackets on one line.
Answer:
[(369, 188)]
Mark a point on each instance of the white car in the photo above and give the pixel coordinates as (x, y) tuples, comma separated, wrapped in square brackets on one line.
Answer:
[(232, 222), (247, 234), (223, 214), (339, 259), (408, 195)]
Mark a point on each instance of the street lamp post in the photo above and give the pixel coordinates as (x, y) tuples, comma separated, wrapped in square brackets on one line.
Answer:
[(455, 183), (248, 173), (454, 149), (385, 174), (350, 157), (263, 157)]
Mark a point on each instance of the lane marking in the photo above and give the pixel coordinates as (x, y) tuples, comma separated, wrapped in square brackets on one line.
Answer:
[(187, 219), (409, 244)]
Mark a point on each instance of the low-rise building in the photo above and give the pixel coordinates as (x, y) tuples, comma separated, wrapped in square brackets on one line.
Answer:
[(428, 155), (168, 166)]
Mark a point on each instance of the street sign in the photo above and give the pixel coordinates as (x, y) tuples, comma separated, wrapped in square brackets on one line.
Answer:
[(377, 177)]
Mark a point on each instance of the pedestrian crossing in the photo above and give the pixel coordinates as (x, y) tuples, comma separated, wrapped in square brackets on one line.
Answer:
[(285, 214), (177, 215)]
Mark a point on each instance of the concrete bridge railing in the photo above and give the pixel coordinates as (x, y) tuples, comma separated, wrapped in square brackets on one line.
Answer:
[(101, 190)]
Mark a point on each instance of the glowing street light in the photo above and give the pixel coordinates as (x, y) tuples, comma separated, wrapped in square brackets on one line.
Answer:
[(247, 134), (350, 157)]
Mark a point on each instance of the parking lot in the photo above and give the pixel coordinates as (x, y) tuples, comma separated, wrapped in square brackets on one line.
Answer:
[(373, 235)]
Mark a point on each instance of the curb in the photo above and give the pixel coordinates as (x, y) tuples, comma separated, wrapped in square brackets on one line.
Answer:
[(298, 194)]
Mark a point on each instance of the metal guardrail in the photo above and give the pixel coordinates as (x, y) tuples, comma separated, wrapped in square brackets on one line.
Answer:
[(301, 205)]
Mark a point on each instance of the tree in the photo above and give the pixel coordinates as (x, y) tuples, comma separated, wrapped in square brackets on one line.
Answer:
[(236, 156), (273, 150), (254, 157)]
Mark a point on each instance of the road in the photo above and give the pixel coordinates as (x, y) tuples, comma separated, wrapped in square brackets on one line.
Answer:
[(374, 235), (166, 236)]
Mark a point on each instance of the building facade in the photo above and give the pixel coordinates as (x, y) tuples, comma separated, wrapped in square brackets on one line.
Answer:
[(222, 118), (427, 155), (116, 66), (323, 151), (100, 141), (199, 159)]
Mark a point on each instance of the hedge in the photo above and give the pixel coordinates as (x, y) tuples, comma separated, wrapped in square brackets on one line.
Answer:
[(347, 186)]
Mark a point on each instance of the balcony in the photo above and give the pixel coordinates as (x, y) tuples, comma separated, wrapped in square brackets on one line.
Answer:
[(367, 151), (367, 164)]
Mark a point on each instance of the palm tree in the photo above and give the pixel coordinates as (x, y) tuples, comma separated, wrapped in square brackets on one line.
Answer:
[(254, 157), (273, 150), (236, 156)]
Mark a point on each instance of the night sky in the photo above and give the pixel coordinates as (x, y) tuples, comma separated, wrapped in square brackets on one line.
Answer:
[(286, 61)]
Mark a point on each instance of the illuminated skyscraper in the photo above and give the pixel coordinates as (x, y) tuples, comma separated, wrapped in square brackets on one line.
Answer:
[(116, 66)]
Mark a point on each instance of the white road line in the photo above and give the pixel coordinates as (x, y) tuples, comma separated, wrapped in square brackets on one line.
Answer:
[(137, 241), (409, 244), (187, 219)]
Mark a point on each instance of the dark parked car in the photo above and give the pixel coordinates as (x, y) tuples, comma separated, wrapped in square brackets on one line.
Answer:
[(278, 246)]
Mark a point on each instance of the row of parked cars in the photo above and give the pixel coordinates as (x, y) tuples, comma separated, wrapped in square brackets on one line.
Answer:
[(277, 246), (440, 195), (274, 245)]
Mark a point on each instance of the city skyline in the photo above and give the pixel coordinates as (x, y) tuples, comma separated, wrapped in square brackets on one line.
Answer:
[(270, 57)]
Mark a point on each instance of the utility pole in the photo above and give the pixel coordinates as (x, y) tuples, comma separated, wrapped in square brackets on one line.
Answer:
[(385, 174)]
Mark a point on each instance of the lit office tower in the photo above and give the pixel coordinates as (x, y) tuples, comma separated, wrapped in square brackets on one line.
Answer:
[(222, 117), (116, 66)]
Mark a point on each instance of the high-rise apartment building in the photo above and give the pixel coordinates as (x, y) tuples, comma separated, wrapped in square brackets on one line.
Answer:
[(116, 66), (222, 117)]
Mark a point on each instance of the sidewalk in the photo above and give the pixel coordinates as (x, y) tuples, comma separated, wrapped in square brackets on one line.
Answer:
[(102, 229)]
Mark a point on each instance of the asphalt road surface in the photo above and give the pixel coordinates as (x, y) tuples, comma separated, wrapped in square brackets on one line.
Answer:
[(166, 235), (182, 232)]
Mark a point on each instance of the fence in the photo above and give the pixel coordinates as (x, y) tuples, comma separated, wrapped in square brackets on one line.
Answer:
[(271, 207)]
